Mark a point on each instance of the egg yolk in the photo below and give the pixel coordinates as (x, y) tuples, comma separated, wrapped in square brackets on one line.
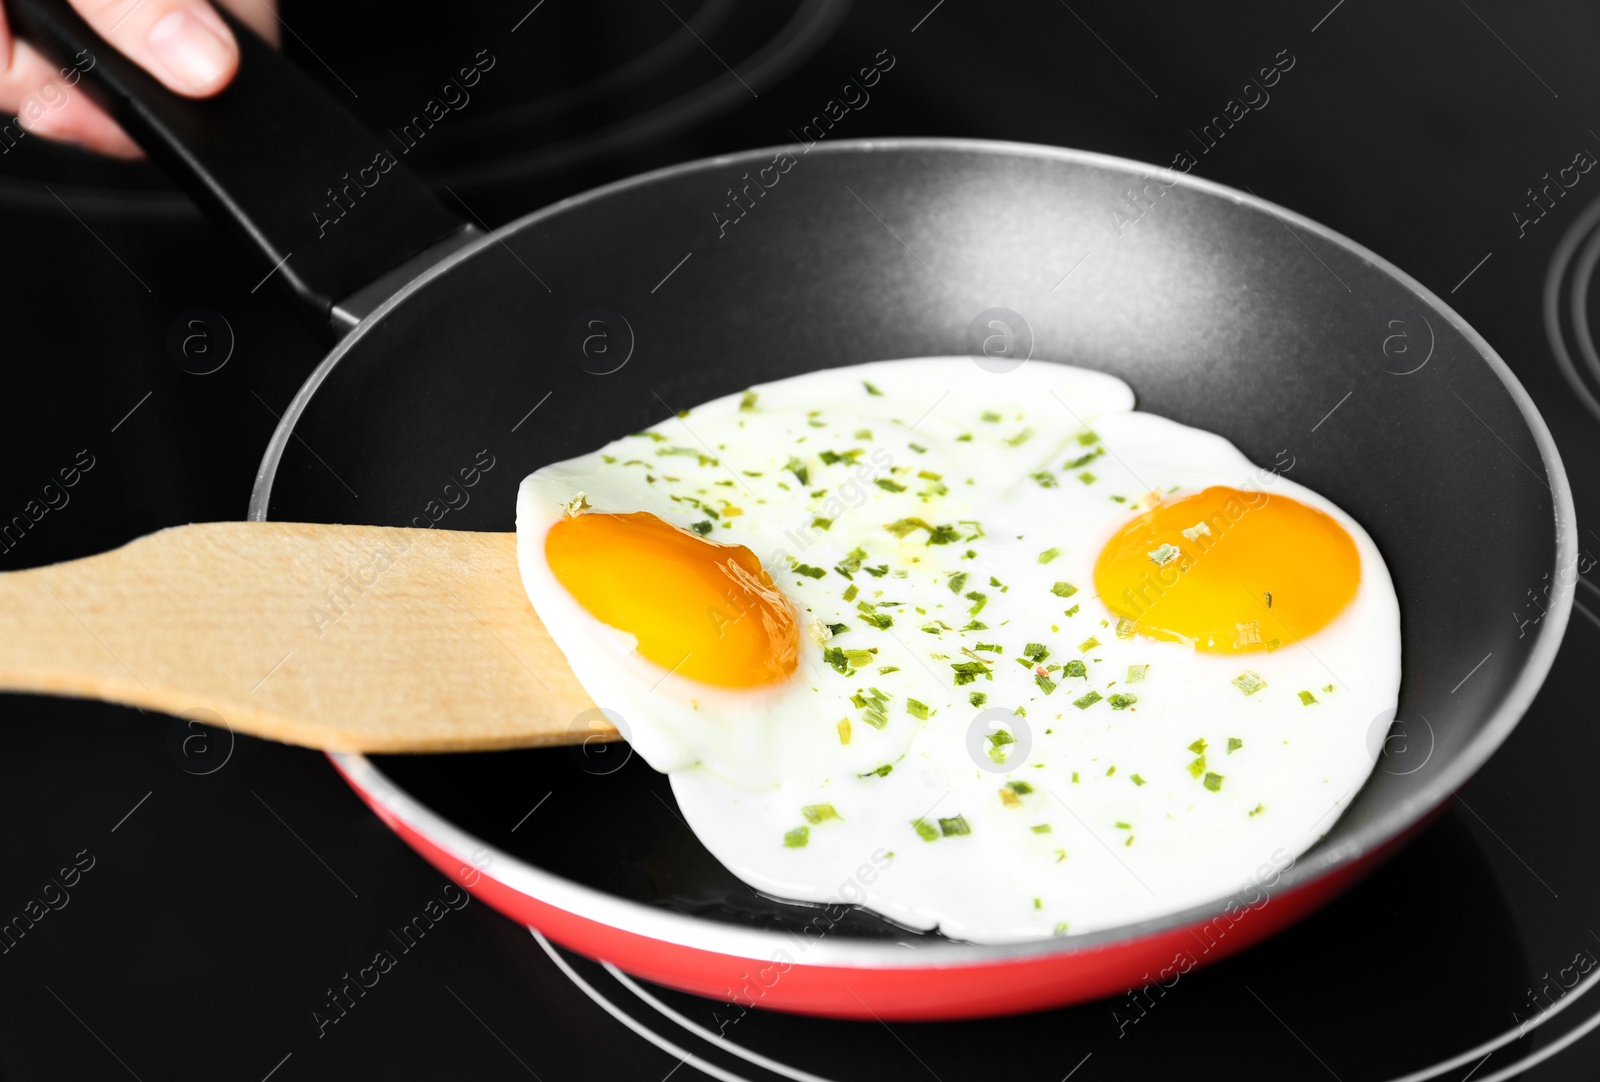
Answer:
[(1228, 570), (702, 609)]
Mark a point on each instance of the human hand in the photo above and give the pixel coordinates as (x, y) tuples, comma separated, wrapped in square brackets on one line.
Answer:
[(184, 43)]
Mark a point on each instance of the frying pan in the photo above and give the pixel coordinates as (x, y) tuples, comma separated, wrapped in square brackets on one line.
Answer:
[(464, 361)]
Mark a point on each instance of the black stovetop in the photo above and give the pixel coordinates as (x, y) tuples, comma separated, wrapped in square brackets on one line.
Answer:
[(224, 888)]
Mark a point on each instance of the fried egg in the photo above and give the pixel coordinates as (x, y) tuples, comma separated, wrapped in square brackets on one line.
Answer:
[(992, 653)]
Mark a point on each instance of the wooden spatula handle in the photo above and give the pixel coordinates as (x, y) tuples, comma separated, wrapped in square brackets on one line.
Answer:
[(351, 638)]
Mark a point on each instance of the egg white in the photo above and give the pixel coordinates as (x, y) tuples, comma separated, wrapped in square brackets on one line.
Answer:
[(982, 453)]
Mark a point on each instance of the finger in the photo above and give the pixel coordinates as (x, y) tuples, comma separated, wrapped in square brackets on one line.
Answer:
[(37, 99), (259, 15), (184, 43)]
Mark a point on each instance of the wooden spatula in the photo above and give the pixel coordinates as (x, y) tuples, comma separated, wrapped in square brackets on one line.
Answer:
[(349, 638)]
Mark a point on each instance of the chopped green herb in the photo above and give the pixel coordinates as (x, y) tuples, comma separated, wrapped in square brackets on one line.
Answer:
[(1164, 554), (1083, 460), (844, 660), (1073, 611), (1046, 684), (937, 535), (1257, 810), (851, 563), (917, 447), (1306, 698), (1041, 828), (701, 528), (917, 709), (1122, 702), (956, 824), (1197, 767), (1234, 744), (704, 459), (977, 698), (748, 402), (957, 580), (816, 813), (1046, 479), (1048, 554), (1088, 644), (844, 730), (990, 416), (1199, 746), (1021, 437), (1136, 673), (797, 838), (1249, 683), (1213, 782), (992, 647), (1021, 788), (871, 705), (798, 468), (978, 601), (889, 486), (1036, 652), (885, 670), (1001, 737), (820, 523), (1120, 825), (882, 772), (1087, 439), (838, 629), (1136, 779), (1087, 477), (1075, 668), (1087, 701), (1328, 688), (1063, 589), (926, 831), (809, 572), (871, 389), (829, 458), (968, 671)]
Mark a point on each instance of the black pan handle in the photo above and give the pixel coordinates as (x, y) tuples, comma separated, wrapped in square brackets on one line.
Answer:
[(296, 177)]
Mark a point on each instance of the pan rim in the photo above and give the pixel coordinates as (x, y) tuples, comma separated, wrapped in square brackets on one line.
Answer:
[(757, 944)]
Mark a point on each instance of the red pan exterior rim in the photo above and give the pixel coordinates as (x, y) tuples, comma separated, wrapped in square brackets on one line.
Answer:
[(932, 987)]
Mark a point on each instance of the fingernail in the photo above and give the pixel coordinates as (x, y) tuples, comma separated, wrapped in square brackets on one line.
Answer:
[(191, 53)]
